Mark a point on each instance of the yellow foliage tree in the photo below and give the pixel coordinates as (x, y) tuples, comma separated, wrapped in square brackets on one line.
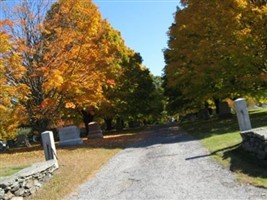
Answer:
[(215, 52), (12, 114)]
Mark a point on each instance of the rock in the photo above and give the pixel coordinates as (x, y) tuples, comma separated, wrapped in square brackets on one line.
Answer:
[(9, 195), (33, 190), (2, 193), (17, 198), (19, 192), (14, 186), (29, 184)]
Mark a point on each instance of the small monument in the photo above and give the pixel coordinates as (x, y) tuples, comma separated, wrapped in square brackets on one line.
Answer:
[(242, 114), (94, 130), (69, 136), (49, 146), (3, 146)]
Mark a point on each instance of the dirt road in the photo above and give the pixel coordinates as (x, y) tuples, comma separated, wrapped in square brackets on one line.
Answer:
[(170, 165)]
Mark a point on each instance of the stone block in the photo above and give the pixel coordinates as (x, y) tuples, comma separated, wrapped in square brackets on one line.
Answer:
[(254, 141), (2, 193), (19, 192), (69, 136), (17, 198), (94, 130)]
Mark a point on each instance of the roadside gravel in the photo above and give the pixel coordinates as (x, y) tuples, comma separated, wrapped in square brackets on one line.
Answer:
[(170, 165)]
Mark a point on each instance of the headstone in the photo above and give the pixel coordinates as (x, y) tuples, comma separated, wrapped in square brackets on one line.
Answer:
[(242, 114), (69, 136), (3, 146), (203, 114), (49, 146), (224, 110), (23, 140), (94, 130)]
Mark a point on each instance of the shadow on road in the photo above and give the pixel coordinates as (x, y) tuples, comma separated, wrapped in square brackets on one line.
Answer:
[(165, 135), (240, 161), (214, 152), (159, 134)]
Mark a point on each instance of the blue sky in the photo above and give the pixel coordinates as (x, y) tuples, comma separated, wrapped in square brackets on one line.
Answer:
[(143, 25)]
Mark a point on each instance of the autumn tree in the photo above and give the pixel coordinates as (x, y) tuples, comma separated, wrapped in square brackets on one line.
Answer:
[(12, 114), (211, 53), (70, 56)]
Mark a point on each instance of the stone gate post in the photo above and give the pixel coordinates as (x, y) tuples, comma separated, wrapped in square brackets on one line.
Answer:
[(49, 146), (242, 114)]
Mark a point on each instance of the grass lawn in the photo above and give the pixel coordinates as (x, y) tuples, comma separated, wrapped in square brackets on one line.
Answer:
[(222, 138), (76, 164), (7, 171)]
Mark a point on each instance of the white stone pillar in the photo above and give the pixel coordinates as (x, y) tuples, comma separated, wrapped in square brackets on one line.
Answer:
[(242, 114), (49, 146)]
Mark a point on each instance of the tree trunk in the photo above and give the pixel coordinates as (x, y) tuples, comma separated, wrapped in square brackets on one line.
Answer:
[(87, 118), (108, 122), (216, 102), (119, 124), (41, 126)]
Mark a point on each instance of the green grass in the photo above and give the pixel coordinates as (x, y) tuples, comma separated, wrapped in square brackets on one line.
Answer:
[(222, 138), (7, 171)]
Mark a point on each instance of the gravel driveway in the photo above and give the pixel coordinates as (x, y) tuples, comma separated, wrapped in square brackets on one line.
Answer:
[(170, 165)]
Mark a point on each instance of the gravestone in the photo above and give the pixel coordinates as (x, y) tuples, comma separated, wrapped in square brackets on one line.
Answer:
[(224, 110), (203, 114), (3, 146), (94, 130), (23, 140), (49, 146), (69, 136), (242, 114)]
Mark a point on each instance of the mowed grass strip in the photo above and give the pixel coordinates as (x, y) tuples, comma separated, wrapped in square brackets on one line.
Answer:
[(76, 164), (222, 138), (7, 171)]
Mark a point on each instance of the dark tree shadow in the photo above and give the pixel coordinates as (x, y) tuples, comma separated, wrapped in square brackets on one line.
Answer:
[(214, 152), (245, 162)]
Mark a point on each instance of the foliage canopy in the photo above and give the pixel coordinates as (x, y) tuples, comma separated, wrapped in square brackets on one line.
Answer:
[(215, 52)]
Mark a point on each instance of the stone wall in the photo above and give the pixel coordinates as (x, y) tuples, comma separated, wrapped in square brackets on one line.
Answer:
[(27, 181), (255, 142)]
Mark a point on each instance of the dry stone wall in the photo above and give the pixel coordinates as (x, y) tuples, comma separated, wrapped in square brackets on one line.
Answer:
[(255, 142), (27, 181)]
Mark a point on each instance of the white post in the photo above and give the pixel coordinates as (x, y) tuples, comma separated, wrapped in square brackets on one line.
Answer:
[(242, 114), (49, 146)]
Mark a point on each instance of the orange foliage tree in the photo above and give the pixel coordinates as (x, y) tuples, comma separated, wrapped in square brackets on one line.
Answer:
[(70, 54), (12, 114)]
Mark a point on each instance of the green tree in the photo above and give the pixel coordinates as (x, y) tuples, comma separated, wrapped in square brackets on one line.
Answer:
[(132, 94), (158, 101)]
